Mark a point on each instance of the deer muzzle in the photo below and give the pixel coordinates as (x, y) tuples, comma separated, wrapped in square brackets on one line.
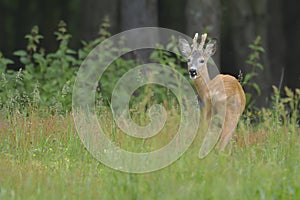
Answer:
[(193, 73)]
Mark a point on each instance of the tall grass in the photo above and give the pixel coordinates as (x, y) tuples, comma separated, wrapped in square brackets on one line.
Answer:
[(43, 158)]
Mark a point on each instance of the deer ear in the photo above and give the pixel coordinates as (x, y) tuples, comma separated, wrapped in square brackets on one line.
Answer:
[(184, 47), (211, 47)]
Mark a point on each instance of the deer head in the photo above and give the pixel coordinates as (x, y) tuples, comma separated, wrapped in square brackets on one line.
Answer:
[(197, 55)]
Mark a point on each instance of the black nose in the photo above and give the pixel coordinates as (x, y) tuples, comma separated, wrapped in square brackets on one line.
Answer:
[(193, 72)]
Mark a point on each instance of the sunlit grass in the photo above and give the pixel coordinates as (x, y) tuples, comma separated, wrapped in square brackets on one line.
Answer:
[(43, 158)]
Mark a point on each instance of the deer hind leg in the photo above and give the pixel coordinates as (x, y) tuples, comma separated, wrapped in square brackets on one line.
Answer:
[(231, 120), (227, 133)]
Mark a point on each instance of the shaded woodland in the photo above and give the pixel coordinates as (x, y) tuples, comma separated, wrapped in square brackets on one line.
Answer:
[(234, 23)]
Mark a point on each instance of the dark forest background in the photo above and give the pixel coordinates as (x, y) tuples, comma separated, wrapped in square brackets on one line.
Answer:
[(235, 23)]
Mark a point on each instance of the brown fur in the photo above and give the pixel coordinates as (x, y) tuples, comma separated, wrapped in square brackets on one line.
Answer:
[(223, 89), (235, 102)]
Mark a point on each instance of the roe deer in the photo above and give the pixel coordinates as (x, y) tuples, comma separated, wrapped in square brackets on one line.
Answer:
[(233, 97)]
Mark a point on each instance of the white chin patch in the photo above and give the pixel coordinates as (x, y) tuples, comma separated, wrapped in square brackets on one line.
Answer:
[(193, 77)]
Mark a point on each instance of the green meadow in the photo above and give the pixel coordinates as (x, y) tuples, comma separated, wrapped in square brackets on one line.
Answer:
[(42, 157)]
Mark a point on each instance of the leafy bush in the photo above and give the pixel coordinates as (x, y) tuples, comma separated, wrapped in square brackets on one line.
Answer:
[(45, 80)]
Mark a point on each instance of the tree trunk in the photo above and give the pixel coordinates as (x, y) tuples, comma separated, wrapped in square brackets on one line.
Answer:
[(292, 32), (171, 14), (277, 43), (248, 20), (93, 13), (204, 16), (138, 13), (3, 38)]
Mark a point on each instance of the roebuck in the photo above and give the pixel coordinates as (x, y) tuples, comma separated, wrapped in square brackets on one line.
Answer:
[(223, 88)]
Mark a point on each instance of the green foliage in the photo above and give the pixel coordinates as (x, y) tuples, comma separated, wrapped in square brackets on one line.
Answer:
[(50, 74), (165, 57), (88, 46), (253, 62), (287, 107), (45, 79), (4, 62)]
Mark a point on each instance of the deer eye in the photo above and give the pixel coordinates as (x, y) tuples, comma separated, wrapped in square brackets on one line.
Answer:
[(201, 60), (189, 60)]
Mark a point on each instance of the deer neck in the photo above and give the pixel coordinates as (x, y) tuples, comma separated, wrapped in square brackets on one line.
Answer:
[(201, 84)]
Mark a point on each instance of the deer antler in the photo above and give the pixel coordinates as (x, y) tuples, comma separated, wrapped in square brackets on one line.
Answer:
[(195, 42), (203, 39)]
